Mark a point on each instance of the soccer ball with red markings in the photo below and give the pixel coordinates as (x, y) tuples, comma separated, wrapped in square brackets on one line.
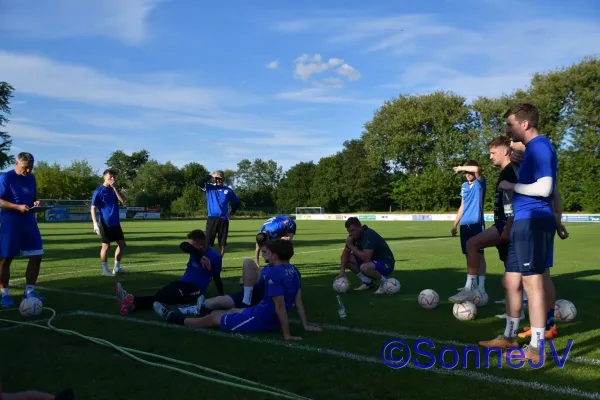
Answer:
[(341, 285), (391, 286), (429, 299), (464, 311), (564, 311), (31, 307)]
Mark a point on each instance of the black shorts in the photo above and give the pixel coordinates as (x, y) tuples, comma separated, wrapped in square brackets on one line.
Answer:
[(216, 226), (111, 234), (467, 232), (178, 292), (502, 248), (257, 295)]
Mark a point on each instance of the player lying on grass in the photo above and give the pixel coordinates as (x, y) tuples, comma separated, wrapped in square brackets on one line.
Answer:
[(204, 265), (366, 254), (280, 227), (282, 291)]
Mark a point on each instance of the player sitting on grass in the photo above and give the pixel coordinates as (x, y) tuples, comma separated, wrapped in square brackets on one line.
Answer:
[(282, 290), (280, 227), (204, 265), (366, 254)]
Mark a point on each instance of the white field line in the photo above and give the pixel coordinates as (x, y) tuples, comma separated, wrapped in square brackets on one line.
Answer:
[(127, 266)]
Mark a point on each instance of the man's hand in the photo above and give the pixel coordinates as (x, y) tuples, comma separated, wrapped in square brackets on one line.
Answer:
[(96, 228), (290, 337), (453, 230), (23, 208), (205, 262), (312, 328), (457, 169), (37, 203), (561, 230), (340, 275), (505, 237), (517, 156), (506, 185), (349, 241)]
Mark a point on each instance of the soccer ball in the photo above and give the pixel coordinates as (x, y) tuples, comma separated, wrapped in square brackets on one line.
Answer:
[(429, 299), (481, 298), (564, 311), (464, 311), (341, 285), (31, 307), (391, 286)]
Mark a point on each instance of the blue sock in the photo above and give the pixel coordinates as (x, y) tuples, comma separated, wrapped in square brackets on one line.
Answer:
[(550, 319)]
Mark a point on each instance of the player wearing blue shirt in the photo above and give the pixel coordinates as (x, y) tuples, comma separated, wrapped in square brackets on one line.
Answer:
[(282, 289), (530, 250), (204, 265), (218, 197), (280, 227), (470, 217), (105, 201), (19, 230)]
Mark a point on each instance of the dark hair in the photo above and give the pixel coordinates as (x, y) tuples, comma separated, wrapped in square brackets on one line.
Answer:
[(196, 234), (109, 171), (500, 141), (524, 111), (352, 221), (262, 237), (24, 156), (471, 163), (284, 249)]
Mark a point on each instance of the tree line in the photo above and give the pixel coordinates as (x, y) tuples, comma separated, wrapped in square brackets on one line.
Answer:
[(402, 160)]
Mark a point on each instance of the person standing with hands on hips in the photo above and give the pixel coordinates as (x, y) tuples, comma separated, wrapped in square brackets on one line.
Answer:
[(106, 200)]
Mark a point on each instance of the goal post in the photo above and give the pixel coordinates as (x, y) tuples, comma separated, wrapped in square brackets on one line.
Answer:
[(310, 210)]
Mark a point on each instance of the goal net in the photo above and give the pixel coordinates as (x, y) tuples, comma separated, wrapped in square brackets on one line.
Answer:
[(310, 210)]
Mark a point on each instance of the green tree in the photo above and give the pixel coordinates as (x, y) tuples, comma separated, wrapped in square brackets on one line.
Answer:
[(294, 189), (127, 166), (156, 184), (5, 139)]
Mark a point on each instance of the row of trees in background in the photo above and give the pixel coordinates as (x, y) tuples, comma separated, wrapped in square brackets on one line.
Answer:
[(402, 161)]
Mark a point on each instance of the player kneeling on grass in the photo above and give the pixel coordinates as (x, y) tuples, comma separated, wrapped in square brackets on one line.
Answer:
[(282, 289), (204, 265), (366, 254), (280, 227)]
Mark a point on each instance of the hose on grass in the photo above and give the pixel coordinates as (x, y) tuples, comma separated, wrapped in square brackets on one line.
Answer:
[(244, 385)]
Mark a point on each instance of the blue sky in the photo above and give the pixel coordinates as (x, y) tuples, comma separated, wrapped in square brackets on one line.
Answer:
[(289, 81)]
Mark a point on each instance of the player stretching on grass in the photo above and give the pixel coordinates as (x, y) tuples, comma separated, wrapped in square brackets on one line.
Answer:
[(19, 230), (282, 290), (496, 235), (366, 254), (204, 265), (530, 248), (280, 227), (106, 200)]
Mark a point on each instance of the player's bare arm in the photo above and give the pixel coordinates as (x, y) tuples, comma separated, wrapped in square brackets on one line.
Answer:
[(472, 169), (7, 205), (119, 195), (364, 255), (458, 217), (283, 318), (557, 206), (302, 314)]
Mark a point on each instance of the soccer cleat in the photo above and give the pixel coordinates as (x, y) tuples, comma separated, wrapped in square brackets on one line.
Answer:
[(380, 290), (120, 271), (503, 316), (549, 334), (127, 305), (502, 342), (462, 296), (364, 286), (33, 294), (7, 301), (107, 273), (121, 293), (161, 310), (531, 353)]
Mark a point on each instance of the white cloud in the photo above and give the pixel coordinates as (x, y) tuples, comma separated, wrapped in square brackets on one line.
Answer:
[(273, 64), (124, 20), (40, 136), (322, 95), (349, 71), (307, 66)]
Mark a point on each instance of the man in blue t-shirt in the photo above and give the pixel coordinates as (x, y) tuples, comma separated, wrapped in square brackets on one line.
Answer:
[(531, 246), (105, 202), (218, 197), (279, 227), (470, 219), (204, 266), (282, 287), (19, 230)]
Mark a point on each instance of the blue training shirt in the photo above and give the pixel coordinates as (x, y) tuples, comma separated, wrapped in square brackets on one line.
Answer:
[(106, 201), (218, 198), (280, 280), (275, 226), (540, 161), (473, 196), (17, 189), (197, 275)]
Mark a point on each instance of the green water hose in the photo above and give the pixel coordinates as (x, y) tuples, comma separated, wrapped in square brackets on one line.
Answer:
[(245, 385)]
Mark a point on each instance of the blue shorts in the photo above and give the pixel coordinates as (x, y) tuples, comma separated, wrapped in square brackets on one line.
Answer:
[(245, 322), (257, 296), (467, 232), (380, 266), (531, 246), (20, 236)]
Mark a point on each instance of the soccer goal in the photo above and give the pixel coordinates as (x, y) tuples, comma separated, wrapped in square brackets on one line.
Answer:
[(310, 210)]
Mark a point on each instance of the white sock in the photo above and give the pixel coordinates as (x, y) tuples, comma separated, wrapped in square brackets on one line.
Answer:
[(117, 266), (29, 288), (4, 291), (364, 278), (247, 295), (471, 282), (512, 327), (383, 279), (482, 283), (190, 310), (105, 266), (537, 334)]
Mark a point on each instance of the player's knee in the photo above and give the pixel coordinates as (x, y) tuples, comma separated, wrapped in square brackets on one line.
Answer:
[(366, 267), (512, 283), (473, 245)]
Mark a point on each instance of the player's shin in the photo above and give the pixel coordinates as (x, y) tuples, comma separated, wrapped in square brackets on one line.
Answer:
[(534, 285)]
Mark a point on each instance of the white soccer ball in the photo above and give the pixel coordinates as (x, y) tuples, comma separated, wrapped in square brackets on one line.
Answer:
[(564, 311), (429, 299), (31, 307), (481, 298), (341, 285), (464, 311), (391, 286)]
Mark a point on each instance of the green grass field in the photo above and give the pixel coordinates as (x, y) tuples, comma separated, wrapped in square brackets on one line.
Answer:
[(342, 362)]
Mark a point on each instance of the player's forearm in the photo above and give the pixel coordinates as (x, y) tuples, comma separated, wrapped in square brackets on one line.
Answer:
[(283, 319), (470, 168), (542, 187), (234, 207), (93, 213), (458, 216), (7, 205), (363, 255), (557, 205), (301, 313)]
